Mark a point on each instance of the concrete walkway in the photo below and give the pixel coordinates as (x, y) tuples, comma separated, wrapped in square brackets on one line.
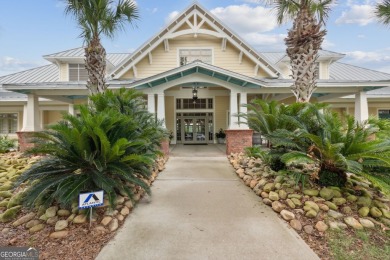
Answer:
[(201, 210)]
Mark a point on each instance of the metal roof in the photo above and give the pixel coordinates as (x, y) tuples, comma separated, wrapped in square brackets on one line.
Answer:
[(342, 71), (276, 57), (116, 58), (48, 73), (76, 52)]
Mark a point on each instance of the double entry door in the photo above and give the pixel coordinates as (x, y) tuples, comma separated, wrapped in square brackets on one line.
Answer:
[(194, 127)]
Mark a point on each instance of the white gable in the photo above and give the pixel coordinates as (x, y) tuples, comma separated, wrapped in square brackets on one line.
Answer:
[(195, 21)]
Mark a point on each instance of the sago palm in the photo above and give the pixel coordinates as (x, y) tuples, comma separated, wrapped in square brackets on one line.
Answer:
[(96, 18), (101, 149), (303, 41)]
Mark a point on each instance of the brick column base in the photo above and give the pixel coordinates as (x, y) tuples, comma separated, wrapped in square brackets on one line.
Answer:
[(165, 147), (25, 141), (237, 140)]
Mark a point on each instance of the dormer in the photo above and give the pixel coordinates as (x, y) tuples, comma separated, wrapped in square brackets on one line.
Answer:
[(324, 60), (71, 63)]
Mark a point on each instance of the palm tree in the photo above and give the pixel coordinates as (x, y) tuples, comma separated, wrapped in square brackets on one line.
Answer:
[(383, 12), (96, 18), (303, 41)]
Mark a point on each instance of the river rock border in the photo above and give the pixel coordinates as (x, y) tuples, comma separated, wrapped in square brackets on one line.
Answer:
[(315, 209), (58, 220)]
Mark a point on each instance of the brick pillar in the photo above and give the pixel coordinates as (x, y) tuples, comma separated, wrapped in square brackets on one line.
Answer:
[(165, 147), (237, 140), (25, 141)]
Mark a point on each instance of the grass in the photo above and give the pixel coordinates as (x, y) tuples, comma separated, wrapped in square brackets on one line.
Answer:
[(367, 244)]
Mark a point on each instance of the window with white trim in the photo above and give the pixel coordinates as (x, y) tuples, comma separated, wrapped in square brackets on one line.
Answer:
[(77, 72), (187, 56), (384, 113), (8, 123)]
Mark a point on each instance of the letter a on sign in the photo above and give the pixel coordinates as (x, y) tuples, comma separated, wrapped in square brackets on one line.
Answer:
[(91, 199)]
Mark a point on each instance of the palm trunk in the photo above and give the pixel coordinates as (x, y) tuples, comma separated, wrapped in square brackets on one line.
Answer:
[(303, 42), (95, 63)]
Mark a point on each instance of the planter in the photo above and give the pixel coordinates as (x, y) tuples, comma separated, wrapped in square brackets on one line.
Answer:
[(221, 140)]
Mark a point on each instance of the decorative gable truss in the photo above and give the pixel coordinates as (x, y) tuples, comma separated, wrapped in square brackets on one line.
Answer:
[(196, 20)]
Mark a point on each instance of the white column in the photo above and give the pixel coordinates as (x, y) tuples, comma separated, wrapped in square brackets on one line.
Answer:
[(233, 111), (71, 109), (161, 107), (151, 103), (361, 106), (31, 115), (243, 101)]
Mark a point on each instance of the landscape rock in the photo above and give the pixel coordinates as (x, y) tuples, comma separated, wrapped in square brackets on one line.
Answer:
[(63, 213), (321, 226), (51, 212), (334, 214), (331, 205), (59, 234), (339, 201), (24, 219), (264, 194), (379, 204), (297, 196), (267, 201), (336, 193), (282, 194), (125, 211), (52, 221), (386, 213), (79, 219), (269, 187), (32, 223), (296, 224), (308, 229), (273, 196), (323, 207), (326, 193), (337, 225), (311, 192), (311, 213), (37, 228), (311, 205), (290, 203), (364, 201), (106, 220), (296, 201), (120, 199), (352, 222), (366, 223), (346, 210), (100, 229), (352, 198), (61, 225), (114, 224), (120, 217), (287, 215), (375, 212), (277, 206)]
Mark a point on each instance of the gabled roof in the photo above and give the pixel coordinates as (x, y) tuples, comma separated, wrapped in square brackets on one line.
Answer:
[(218, 30), (48, 73), (277, 57), (342, 71)]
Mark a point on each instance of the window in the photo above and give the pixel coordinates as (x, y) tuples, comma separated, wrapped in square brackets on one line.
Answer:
[(189, 103), (8, 123), (384, 113), (77, 72), (187, 56)]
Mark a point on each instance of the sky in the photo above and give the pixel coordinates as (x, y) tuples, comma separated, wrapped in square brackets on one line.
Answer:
[(30, 29)]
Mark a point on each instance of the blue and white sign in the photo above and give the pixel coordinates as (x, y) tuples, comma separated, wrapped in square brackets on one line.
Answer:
[(91, 199)]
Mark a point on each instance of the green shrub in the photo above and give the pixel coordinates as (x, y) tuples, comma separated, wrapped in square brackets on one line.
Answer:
[(332, 178), (109, 147), (256, 152), (6, 144)]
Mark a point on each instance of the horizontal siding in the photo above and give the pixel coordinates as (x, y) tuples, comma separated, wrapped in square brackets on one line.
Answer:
[(163, 61)]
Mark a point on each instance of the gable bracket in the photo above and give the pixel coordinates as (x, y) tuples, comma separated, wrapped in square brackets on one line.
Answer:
[(223, 44), (256, 70), (166, 45), (150, 58), (240, 57)]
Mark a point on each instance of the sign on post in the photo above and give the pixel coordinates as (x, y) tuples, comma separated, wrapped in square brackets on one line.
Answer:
[(91, 199)]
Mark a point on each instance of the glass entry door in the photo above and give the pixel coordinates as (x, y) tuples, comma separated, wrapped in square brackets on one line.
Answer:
[(194, 129)]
